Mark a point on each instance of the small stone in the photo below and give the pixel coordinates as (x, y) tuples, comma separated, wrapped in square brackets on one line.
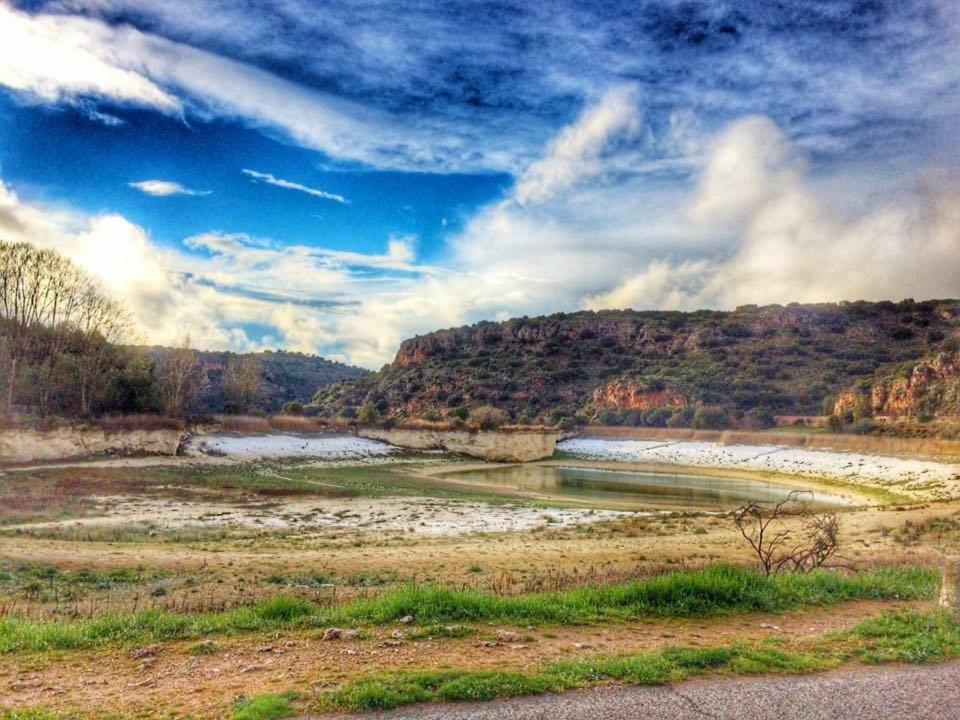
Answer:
[(332, 634), (507, 636), (398, 635), (406, 620), (144, 652), (582, 645)]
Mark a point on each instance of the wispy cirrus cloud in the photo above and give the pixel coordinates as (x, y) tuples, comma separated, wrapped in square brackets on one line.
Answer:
[(290, 185), (165, 188)]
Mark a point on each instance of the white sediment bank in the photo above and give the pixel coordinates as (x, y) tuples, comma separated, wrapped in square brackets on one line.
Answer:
[(922, 479), (272, 447)]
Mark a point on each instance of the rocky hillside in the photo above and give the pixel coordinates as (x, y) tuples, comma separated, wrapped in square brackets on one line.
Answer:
[(792, 359), (285, 376), (928, 389)]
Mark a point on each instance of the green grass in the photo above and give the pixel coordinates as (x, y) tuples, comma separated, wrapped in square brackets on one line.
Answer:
[(713, 591), (895, 636), (263, 707), (29, 714)]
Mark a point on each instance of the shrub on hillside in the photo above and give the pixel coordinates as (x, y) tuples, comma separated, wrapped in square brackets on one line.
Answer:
[(710, 418), (488, 417), (368, 415), (292, 408), (758, 418)]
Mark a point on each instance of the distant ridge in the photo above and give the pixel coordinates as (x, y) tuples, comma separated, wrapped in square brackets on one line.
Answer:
[(622, 365)]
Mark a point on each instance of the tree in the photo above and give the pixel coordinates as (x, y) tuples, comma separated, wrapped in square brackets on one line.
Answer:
[(242, 381), (781, 545), (48, 303), (182, 378)]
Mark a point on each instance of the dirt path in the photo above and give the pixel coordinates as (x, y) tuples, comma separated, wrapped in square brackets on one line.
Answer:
[(886, 693), (168, 679)]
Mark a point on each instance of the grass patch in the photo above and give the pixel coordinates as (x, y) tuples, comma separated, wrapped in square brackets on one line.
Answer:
[(713, 591), (263, 707), (896, 636)]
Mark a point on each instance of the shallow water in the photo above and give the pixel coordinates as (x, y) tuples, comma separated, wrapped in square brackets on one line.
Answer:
[(641, 490)]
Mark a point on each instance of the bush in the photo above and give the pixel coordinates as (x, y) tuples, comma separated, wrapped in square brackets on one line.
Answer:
[(681, 418), (759, 418), (368, 415), (710, 418), (487, 417), (292, 408)]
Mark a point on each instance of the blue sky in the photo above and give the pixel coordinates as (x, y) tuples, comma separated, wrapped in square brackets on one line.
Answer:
[(335, 176)]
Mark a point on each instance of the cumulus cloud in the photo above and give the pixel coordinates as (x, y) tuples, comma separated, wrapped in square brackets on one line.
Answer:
[(216, 286), (791, 244), (165, 188), (290, 185)]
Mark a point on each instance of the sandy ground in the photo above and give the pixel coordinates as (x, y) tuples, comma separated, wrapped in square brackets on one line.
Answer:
[(920, 479), (417, 516)]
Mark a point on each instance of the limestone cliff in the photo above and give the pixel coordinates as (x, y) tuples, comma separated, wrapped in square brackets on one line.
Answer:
[(930, 387), (634, 395)]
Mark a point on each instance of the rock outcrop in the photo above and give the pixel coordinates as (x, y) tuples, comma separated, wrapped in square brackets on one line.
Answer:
[(928, 387), (632, 395)]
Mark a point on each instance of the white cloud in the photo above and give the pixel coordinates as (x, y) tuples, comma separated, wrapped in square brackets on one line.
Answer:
[(791, 245), (53, 61), (574, 154), (66, 58), (289, 185), (165, 188)]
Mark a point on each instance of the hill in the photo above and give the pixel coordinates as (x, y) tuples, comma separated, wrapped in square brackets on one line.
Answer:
[(284, 377), (652, 367)]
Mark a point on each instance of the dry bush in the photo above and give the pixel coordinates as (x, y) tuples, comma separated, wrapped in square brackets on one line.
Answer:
[(488, 417), (141, 422), (296, 423), (780, 544), (244, 424)]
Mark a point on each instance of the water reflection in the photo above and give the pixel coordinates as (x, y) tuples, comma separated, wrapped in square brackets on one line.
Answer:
[(641, 489)]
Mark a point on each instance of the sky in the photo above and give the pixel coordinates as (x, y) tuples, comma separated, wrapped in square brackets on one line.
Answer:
[(333, 177)]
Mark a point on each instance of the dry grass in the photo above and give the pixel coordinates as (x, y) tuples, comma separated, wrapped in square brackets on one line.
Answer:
[(282, 423), (111, 423), (923, 447)]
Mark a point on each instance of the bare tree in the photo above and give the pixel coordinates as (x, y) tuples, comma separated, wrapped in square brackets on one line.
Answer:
[(46, 301), (780, 542), (182, 378), (242, 381)]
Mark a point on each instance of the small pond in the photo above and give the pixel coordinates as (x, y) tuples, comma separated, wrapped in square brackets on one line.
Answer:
[(639, 489)]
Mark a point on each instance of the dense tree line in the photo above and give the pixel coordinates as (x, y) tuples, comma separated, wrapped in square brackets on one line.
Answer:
[(61, 351)]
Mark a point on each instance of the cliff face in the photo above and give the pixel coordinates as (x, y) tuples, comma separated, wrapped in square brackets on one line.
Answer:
[(930, 386), (631, 395), (787, 359)]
